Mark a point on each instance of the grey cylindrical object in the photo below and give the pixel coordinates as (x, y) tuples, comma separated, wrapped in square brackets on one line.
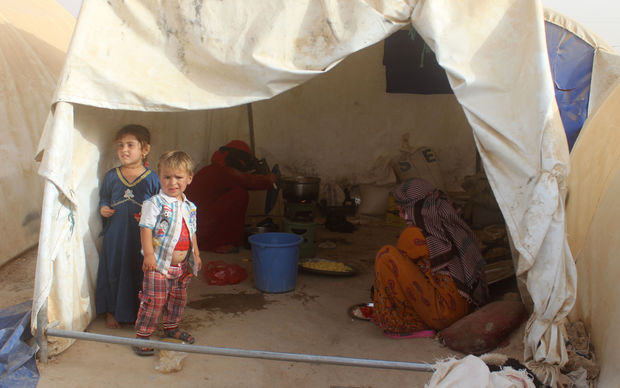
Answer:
[(232, 352)]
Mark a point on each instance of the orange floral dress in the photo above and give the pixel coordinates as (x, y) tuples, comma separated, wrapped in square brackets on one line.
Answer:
[(407, 296)]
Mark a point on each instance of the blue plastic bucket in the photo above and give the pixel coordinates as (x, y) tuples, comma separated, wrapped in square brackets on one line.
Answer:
[(274, 259)]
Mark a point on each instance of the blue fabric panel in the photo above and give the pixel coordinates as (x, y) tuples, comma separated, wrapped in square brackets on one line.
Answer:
[(571, 66), (18, 367)]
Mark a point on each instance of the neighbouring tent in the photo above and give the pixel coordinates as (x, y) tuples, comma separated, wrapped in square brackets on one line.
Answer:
[(172, 67), (592, 214), (34, 36)]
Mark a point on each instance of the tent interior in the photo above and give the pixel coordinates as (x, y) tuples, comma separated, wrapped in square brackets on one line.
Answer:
[(334, 119)]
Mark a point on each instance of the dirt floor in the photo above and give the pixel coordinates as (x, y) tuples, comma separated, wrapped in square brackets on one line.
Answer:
[(311, 319)]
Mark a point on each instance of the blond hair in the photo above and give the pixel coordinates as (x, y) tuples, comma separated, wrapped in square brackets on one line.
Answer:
[(176, 159)]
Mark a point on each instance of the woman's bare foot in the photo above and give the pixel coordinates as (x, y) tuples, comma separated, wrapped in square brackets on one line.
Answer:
[(110, 322)]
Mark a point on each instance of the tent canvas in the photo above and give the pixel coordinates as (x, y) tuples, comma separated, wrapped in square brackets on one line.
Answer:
[(186, 60), (592, 221), (34, 36)]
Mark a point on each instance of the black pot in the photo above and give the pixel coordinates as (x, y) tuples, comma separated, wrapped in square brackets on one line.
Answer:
[(249, 230), (300, 188)]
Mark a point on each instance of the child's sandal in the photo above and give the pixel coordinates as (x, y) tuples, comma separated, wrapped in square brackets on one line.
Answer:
[(180, 335), (143, 351)]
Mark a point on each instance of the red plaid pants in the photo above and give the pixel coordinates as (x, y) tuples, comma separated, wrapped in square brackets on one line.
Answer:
[(162, 295)]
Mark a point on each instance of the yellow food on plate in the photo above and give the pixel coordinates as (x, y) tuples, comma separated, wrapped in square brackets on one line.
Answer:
[(332, 266)]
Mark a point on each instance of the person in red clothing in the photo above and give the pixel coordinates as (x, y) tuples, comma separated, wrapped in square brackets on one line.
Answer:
[(220, 191)]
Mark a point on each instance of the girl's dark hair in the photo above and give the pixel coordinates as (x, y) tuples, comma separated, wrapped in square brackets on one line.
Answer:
[(141, 133)]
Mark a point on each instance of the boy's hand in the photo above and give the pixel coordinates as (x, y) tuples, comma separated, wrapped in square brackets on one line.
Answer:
[(149, 263), (196, 252), (198, 261), (106, 211)]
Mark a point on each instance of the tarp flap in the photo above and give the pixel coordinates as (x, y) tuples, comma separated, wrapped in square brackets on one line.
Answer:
[(18, 367), (500, 75), (571, 61)]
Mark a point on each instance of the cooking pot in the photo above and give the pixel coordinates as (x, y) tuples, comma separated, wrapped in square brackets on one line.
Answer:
[(300, 188), (250, 230)]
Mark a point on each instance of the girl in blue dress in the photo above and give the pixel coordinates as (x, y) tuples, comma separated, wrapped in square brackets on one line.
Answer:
[(124, 188)]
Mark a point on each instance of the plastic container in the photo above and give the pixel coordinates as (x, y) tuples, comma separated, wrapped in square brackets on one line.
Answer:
[(274, 259)]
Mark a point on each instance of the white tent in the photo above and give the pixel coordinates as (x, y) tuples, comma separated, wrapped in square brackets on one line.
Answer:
[(170, 66), (592, 215), (34, 36)]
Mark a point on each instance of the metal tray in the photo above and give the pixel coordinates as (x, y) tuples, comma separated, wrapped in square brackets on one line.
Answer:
[(325, 272)]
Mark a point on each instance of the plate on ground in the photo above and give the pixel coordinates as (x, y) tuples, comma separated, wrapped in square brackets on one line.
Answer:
[(499, 270), (362, 311), (326, 267)]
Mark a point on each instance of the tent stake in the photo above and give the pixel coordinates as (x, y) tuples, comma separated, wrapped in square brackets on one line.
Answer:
[(232, 352), (41, 338)]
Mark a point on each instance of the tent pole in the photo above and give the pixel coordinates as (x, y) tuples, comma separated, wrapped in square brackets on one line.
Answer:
[(251, 125), (41, 336), (232, 352)]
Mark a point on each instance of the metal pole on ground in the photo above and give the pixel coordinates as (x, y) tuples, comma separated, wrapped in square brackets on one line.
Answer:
[(41, 337), (232, 352)]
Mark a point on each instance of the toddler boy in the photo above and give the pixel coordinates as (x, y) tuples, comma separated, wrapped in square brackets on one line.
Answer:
[(171, 255)]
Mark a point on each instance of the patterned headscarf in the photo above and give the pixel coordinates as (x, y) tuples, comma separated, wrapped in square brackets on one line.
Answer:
[(452, 246)]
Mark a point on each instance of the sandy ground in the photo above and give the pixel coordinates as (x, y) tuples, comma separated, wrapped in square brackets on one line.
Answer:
[(311, 319)]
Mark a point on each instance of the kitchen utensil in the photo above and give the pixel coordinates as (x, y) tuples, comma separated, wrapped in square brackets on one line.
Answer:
[(272, 194)]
